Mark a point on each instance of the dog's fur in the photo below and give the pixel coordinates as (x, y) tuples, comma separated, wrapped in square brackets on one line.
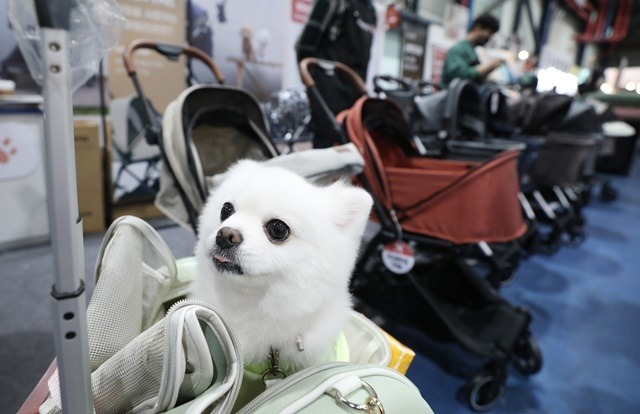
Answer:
[(284, 289)]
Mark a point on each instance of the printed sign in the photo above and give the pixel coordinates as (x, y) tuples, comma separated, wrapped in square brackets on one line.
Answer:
[(439, 55), (398, 257), (413, 50), (300, 10)]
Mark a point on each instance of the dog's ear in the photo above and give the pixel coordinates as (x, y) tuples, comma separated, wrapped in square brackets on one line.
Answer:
[(351, 207)]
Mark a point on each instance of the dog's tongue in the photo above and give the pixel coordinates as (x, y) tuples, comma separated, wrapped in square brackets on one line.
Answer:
[(221, 259)]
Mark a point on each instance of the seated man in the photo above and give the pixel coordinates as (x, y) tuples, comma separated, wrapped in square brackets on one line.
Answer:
[(461, 60)]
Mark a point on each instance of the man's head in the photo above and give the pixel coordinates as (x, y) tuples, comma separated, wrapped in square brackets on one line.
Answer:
[(482, 29)]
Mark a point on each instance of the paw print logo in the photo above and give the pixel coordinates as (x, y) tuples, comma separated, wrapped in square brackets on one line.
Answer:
[(7, 151)]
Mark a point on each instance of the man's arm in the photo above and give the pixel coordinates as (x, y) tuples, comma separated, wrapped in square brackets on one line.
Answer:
[(457, 65), (484, 69)]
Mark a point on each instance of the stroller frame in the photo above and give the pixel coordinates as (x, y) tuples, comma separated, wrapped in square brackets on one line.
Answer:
[(68, 292), (485, 389)]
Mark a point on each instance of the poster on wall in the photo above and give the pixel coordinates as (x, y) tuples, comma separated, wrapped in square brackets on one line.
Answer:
[(456, 19), (437, 48), (413, 50), (12, 65), (160, 21), (437, 63), (247, 47), (135, 163)]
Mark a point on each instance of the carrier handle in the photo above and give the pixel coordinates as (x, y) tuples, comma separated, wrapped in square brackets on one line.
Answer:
[(170, 51), (329, 66)]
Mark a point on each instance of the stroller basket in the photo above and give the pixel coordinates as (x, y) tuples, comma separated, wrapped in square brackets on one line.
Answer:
[(562, 159)]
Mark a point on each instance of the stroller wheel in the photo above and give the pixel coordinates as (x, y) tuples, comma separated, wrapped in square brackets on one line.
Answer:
[(484, 391), (608, 193), (577, 223), (527, 358), (550, 244), (574, 238), (509, 277)]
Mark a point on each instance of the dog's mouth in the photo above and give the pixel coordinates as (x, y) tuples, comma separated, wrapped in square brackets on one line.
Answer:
[(223, 263)]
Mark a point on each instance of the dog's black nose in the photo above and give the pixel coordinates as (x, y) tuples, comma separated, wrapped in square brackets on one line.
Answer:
[(228, 237)]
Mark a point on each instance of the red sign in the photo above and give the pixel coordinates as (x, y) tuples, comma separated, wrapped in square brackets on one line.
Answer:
[(300, 10), (393, 17), (439, 54), (398, 257)]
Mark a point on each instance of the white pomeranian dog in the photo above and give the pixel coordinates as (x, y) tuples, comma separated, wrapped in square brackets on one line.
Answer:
[(275, 254)]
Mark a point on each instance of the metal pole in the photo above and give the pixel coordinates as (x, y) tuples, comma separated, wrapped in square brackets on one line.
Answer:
[(68, 293)]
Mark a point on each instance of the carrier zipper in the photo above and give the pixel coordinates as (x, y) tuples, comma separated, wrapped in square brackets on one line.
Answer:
[(184, 302)]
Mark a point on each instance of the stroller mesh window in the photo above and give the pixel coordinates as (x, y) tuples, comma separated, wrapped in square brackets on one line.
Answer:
[(222, 137), (133, 376), (121, 307)]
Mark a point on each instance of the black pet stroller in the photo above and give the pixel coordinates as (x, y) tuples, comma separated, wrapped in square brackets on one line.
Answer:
[(558, 187), (586, 120), (441, 294)]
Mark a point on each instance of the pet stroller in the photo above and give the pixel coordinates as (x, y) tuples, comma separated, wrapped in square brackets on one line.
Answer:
[(436, 206), (563, 162), (499, 262), (468, 122), (137, 162), (586, 120), (471, 122), (209, 127)]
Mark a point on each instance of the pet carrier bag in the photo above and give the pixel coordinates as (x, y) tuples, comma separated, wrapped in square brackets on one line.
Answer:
[(145, 359)]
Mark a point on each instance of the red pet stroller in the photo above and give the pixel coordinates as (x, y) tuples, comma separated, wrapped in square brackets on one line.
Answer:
[(438, 207)]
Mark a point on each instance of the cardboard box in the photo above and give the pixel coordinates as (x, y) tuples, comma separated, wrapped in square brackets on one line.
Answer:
[(90, 175)]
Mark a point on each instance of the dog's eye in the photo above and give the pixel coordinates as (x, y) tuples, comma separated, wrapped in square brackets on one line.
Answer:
[(227, 211), (277, 230)]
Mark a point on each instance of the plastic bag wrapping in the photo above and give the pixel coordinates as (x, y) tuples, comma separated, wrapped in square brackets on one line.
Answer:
[(286, 111), (95, 26)]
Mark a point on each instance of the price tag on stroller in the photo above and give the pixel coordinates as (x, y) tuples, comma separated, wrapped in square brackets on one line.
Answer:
[(398, 257)]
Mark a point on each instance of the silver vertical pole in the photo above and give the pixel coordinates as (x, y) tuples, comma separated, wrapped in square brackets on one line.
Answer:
[(69, 303)]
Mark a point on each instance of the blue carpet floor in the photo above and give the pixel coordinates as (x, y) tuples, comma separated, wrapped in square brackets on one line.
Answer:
[(585, 304)]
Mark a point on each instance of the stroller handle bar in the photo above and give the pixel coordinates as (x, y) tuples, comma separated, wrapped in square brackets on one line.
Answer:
[(329, 66), (170, 51)]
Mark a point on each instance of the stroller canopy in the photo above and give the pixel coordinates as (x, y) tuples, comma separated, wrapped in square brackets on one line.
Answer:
[(205, 130), (461, 202), (581, 118), (540, 113), (455, 111)]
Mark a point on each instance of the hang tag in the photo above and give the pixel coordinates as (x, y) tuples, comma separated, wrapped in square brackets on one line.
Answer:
[(398, 257)]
